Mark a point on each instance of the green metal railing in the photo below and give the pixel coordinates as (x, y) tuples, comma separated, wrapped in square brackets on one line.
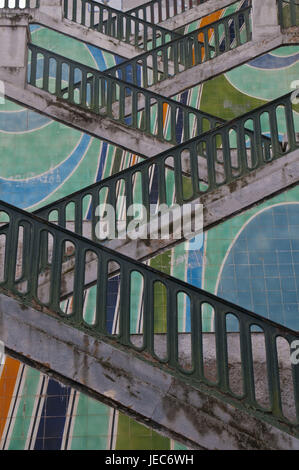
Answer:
[(24, 284), (288, 12), (202, 45), (157, 11), (108, 96), (19, 4), (174, 53), (198, 166), (194, 168), (117, 24)]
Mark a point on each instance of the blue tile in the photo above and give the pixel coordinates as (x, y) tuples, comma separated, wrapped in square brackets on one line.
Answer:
[(288, 284), (258, 285), (228, 272), (231, 296), (259, 298), (291, 309), (282, 232), (271, 270), (289, 297), (255, 258), (281, 220), (260, 310), (241, 257), (276, 313), (286, 270), (294, 231), (244, 300), (282, 209), (257, 271), (242, 271), (273, 283), (242, 285), (269, 285), (228, 284), (293, 322), (267, 218), (293, 216), (285, 257), (270, 257), (241, 245), (283, 245), (295, 244), (275, 298)]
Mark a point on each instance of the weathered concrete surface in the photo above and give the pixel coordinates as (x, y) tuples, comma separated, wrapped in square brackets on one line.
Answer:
[(104, 128), (130, 4), (264, 19), (218, 206), (113, 374), (14, 35)]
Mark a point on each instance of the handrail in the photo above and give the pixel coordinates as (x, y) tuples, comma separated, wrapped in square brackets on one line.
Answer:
[(105, 95), (288, 13), (25, 287), (117, 24), (213, 159), (157, 11), (187, 51)]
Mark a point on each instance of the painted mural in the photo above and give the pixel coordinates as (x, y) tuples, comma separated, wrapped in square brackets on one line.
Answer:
[(252, 259)]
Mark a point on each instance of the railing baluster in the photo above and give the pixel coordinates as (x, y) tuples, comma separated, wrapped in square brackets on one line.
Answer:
[(101, 19), (124, 316), (58, 77), (172, 326), (83, 12), (55, 273), (221, 348), (247, 361), (148, 314), (293, 12), (46, 73), (78, 298), (179, 194), (65, 8), (33, 66), (247, 14), (78, 226), (291, 130), (273, 373), (11, 250), (197, 337), (91, 15), (74, 16), (102, 286), (160, 168)]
